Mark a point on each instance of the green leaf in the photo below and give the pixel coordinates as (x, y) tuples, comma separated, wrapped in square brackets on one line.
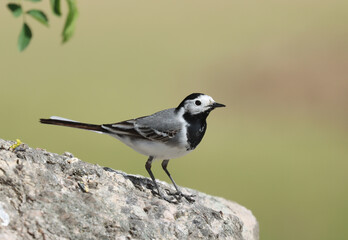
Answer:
[(70, 22), (15, 9), (24, 37), (39, 15), (34, 0), (55, 5)]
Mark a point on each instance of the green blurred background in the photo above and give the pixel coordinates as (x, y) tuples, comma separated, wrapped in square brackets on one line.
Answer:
[(281, 67)]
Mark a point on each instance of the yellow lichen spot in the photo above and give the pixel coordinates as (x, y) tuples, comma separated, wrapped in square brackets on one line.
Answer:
[(14, 146), (83, 186), (86, 188)]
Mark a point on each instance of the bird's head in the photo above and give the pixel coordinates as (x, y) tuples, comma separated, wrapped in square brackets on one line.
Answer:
[(198, 103)]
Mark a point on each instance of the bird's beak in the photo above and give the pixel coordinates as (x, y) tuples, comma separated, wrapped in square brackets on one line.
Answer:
[(216, 105)]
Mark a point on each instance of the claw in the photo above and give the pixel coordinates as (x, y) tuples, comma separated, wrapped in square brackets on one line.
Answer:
[(168, 199), (160, 195), (178, 195)]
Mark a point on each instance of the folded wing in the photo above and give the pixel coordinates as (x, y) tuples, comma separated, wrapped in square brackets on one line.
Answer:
[(155, 127)]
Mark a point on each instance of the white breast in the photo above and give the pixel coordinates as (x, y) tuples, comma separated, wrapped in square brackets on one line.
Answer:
[(157, 150)]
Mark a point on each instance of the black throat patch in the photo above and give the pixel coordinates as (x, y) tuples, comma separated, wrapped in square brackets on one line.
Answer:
[(196, 128)]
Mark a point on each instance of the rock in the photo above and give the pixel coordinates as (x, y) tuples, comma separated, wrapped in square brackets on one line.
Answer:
[(49, 196)]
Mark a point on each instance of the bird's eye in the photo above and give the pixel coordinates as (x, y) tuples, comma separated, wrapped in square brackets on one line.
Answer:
[(197, 102)]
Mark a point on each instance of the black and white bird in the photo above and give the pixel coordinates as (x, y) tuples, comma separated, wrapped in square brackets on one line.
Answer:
[(164, 135)]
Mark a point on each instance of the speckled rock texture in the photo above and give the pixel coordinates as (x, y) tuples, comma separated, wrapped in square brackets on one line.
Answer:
[(49, 196)]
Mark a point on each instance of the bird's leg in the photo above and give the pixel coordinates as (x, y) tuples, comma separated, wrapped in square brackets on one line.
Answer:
[(178, 192), (148, 168)]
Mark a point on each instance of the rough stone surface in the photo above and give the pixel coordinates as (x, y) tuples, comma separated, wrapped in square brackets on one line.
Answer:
[(49, 196)]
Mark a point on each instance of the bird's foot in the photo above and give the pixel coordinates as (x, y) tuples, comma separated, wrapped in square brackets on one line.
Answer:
[(178, 195), (169, 199)]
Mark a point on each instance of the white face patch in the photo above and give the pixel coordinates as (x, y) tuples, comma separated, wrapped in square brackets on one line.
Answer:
[(198, 105)]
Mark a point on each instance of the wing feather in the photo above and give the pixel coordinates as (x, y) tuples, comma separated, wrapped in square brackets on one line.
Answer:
[(133, 129)]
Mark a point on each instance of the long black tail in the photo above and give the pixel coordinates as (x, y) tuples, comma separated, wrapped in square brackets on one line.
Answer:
[(73, 124)]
